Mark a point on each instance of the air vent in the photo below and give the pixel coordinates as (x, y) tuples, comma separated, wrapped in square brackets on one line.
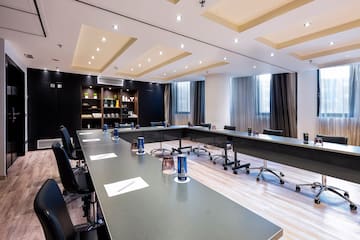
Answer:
[(110, 81), (28, 56), (55, 60)]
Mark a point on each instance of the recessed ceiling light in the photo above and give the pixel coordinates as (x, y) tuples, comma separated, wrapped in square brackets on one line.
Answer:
[(236, 40), (98, 49), (225, 58), (93, 57), (331, 43), (186, 67), (178, 18), (115, 27), (45, 69), (174, 71), (272, 54), (89, 62), (109, 88), (307, 24), (149, 59), (182, 45), (131, 69), (161, 53), (103, 39), (164, 74), (139, 65), (200, 62), (57, 69), (254, 66), (90, 86)]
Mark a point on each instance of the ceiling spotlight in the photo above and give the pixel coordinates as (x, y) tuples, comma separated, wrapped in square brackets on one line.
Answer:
[(139, 65), (272, 54), (98, 49), (92, 57), (89, 62), (182, 45), (307, 24), (149, 59), (161, 53), (90, 87), (254, 67), (164, 74), (103, 39), (236, 40), (225, 58), (109, 88), (115, 27), (57, 69), (131, 69), (331, 43), (200, 62), (45, 69), (186, 67), (59, 45), (202, 3), (178, 18), (174, 71)]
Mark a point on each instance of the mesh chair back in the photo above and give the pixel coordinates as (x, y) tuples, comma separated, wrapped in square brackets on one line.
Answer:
[(65, 171), (66, 140), (52, 212), (333, 139), (269, 131), (228, 127)]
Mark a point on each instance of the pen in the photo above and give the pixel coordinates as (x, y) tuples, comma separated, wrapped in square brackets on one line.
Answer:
[(127, 185)]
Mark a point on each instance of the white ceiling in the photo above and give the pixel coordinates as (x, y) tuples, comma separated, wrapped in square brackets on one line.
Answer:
[(154, 23)]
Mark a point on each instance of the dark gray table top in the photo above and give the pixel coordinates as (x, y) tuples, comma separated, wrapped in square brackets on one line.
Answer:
[(165, 209)]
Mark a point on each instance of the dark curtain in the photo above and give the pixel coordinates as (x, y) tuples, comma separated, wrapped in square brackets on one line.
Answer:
[(168, 103), (199, 102), (283, 105)]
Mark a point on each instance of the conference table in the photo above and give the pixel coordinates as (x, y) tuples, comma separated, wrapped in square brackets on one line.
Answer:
[(161, 209)]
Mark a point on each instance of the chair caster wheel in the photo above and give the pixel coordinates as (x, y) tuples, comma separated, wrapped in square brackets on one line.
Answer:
[(297, 189), (282, 182), (225, 168), (346, 195), (234, 172), (247, 171), (211, 158), (214, 162), (257, 179), (313, 186), (281, 174), (317, 201), (353, 207)]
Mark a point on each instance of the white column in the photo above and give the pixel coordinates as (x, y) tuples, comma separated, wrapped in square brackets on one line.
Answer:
[(307, 103), (217, 100)]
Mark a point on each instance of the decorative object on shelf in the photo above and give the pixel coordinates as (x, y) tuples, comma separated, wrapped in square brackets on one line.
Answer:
[(306, 138), (86, 95), (117, 104), (95, 95), (111, 103), (132, 99), (318, 140), (249, 131)]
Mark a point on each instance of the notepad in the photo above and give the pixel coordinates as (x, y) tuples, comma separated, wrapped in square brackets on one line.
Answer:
[(125, 186), (92, 140), (102, 156), (85, 133)]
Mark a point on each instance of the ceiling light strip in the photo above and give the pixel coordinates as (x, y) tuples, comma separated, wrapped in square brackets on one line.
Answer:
[(182, 35)]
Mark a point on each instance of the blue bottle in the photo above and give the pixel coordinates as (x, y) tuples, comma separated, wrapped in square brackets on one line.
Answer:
[(182, 167)]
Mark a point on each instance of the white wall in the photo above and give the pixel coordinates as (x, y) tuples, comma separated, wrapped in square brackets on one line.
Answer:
[(7, 48), (217, 100), (307, 103)]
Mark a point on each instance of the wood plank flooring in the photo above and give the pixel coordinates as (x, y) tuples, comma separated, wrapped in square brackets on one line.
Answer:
[(295, 212)]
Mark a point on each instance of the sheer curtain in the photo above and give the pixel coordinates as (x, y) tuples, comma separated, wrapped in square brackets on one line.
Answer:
[(342, 116), (245, 105)]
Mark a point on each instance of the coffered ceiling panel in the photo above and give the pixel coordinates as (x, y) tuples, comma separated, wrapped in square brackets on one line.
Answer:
[(242, 15), (154, 58), (97, 48)]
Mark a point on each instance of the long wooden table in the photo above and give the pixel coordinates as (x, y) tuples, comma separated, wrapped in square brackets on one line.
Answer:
[(166, 209)]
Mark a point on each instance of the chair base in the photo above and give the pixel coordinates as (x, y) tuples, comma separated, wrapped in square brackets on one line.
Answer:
[(272, 171), (201, 151), (237, 165), (162, 151), (324, 187)]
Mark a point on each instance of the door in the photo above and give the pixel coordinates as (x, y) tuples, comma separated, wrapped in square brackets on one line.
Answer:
[(15, 108)]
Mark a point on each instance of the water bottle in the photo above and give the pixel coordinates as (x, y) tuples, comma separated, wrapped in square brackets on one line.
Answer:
[(182, 168)]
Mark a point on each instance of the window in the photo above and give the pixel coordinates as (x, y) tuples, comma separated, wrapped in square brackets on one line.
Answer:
[(263, 94), (183, 97), (334, 91)]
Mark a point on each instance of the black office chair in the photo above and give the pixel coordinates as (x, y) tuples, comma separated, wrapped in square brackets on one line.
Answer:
[(53, 215), (78, 184), (264, 168), (72, 152), (323, 185), (161, 150), (201, 150)]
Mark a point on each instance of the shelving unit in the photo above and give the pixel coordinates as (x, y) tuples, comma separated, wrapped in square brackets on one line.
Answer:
[(108, 105)]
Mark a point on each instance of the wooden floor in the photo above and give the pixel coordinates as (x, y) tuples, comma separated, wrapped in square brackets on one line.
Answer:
[(295, 212)]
